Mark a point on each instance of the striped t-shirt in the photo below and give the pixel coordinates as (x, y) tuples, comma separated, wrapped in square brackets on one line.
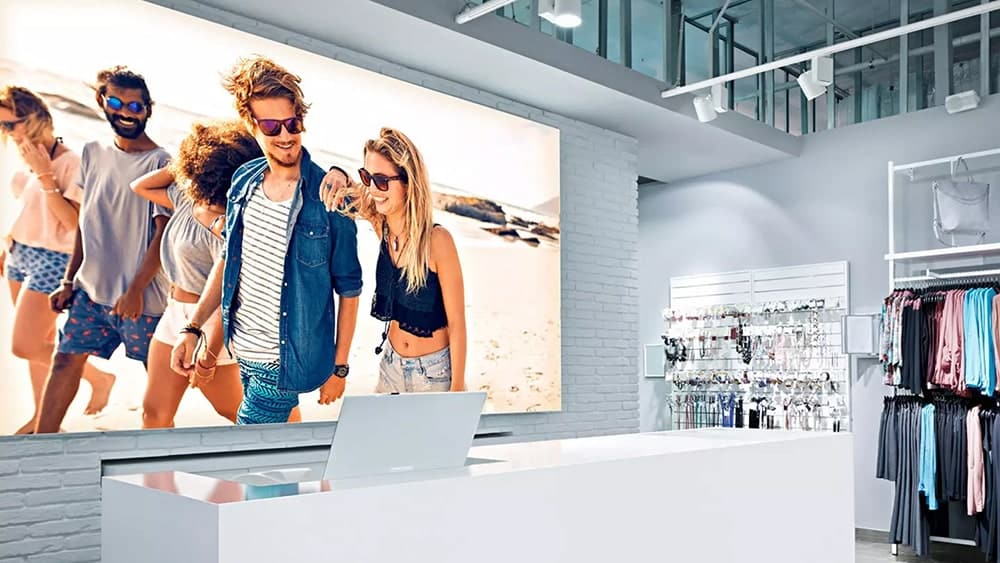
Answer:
[(258, 301)]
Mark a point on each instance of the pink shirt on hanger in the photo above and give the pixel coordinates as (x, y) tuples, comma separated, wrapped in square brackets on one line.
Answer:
[(996, 334), (977, 480)]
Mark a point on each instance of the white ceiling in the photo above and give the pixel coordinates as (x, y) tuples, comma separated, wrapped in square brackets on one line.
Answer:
[(567, 80)]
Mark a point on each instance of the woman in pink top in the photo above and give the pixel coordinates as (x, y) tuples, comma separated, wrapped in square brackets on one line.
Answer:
[(35, 252)]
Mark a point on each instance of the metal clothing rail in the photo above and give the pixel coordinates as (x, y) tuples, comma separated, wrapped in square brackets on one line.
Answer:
[(892, 257)]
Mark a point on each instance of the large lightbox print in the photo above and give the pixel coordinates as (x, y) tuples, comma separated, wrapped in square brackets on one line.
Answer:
[(501, 162)]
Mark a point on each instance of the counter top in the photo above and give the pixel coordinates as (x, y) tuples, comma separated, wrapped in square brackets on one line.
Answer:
[(484, 461)]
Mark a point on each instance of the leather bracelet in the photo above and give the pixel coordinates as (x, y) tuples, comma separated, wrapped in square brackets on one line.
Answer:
[(66, 283), (192, 329), (204, 367)]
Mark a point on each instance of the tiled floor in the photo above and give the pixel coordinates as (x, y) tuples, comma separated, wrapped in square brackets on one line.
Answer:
[(878, 552)]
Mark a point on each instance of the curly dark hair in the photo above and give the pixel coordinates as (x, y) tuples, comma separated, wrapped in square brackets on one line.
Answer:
[(209, 156), (123, 77)]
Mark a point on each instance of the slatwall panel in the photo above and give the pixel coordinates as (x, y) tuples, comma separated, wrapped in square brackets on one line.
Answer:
[(819, 281), (753, 287), (693, 292)]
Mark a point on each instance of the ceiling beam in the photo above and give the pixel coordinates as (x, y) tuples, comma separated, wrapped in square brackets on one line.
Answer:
[(837, 48)]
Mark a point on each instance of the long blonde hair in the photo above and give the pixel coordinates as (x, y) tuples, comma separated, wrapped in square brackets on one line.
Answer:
[(414, 257), (30, 107)]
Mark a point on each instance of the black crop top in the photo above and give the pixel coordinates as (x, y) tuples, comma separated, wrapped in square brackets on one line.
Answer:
[(420, 313)]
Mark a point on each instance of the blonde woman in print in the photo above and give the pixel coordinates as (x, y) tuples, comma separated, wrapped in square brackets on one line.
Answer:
[(419, 292)]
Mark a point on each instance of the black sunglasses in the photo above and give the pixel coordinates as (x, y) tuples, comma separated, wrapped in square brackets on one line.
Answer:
[(9, 126), (117, 104), (381, 180), (272, 127)]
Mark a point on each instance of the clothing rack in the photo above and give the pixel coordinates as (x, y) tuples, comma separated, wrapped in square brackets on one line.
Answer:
[(926, 289), (989, 411), (931, 278)]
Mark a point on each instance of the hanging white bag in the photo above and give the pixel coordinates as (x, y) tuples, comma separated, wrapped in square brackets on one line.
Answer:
[(961, 206)]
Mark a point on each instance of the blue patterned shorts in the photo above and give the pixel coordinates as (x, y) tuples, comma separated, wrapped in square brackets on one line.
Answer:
[(92, 329), (41, 268), (263, 402)]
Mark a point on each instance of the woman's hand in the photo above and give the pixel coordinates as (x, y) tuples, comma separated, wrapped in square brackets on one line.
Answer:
[(36, 157), (336, 188), (204, 373), (182, 357)]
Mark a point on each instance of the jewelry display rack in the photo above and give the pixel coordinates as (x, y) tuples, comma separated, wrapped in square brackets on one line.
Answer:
[(775, 366), (759, 349)]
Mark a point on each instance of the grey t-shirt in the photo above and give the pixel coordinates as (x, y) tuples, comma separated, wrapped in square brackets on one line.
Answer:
[(188, 249), (117, 225)]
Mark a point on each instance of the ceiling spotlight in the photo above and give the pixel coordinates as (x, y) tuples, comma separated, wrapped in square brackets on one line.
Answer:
[(815, 82), (703, 107), (711, 104), (563, 13)]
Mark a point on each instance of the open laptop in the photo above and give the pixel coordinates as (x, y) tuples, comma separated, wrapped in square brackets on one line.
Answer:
[(382, 434)]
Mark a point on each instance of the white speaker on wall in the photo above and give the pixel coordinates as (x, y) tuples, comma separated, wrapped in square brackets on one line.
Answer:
[(963, 101)]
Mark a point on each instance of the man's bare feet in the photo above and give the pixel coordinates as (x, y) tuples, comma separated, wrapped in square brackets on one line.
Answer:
[(101, 383)]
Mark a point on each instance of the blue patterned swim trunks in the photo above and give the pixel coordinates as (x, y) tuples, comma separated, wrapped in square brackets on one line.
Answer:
[(263, 402)]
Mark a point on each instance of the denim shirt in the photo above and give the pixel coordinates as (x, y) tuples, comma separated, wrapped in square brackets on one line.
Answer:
[(322, 257)]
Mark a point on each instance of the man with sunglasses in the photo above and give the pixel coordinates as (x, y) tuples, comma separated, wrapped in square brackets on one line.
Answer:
[(285, 256), (113, 287)]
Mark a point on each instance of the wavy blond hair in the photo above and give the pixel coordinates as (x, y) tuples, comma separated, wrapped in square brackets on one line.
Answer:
[(418, 218), (257, 78), (30, 107)]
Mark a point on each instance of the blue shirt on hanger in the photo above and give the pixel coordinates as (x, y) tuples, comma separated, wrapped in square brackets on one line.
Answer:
[(928, 461)]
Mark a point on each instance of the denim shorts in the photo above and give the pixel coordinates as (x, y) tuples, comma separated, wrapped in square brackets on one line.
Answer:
[(40, 269), (92, 329), (397, 374), (263, 402)]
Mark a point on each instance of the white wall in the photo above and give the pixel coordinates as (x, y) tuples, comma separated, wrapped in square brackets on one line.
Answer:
[(50, 485), (828, 204)]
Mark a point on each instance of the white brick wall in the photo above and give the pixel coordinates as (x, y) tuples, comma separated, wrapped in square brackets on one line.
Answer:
[(50, 485)]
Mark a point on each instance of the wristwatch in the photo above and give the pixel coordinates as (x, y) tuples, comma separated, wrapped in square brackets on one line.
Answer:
[(342, 371)]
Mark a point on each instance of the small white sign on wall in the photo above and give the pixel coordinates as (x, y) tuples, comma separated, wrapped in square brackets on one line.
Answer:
[(654, 360), (860, 335)]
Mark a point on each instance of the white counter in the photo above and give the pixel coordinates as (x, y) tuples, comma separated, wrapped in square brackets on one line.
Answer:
[(712, 495)]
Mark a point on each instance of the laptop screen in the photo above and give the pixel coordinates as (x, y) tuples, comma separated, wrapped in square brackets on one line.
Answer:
[(380, 434)]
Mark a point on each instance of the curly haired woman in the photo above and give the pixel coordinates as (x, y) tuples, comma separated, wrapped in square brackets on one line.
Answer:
[(194, 185)]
